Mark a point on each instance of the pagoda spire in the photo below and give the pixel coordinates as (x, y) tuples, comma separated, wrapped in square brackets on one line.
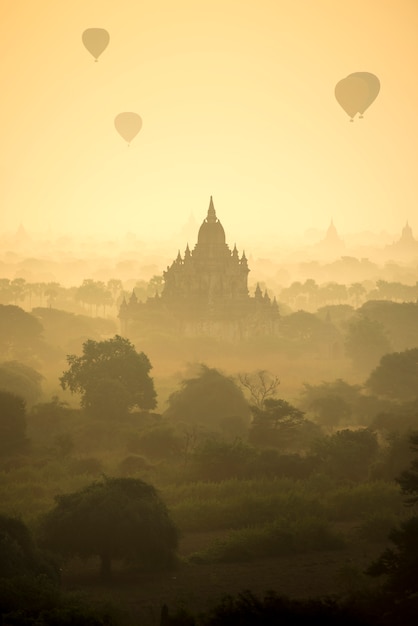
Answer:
[(211, 218)]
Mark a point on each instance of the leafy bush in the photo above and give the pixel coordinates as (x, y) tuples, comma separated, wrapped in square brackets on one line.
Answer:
[(90, 466), (376, 526), (279, 538), (358, 501), (133, 464)]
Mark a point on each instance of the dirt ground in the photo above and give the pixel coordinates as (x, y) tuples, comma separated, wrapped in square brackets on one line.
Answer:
[(198, 587)]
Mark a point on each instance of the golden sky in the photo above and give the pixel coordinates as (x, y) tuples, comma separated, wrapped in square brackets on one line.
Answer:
[(237, 101)]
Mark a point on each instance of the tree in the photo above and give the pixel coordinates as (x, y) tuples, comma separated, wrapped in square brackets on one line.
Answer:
[(348, 454), (400, 564), (111, 376), (399, 318), (408, 479), (12, 422), (396, 376), (332, 402), (366, 342), (18, 552), (261, 385), (275, 423), (94, 292), (114, 519), (18, 330), (209, 398), (21, 380)]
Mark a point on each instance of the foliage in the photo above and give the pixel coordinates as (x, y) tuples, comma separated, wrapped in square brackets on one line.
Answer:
[(133, 464), (305, 333), (12, 422), (215, 459), (332, 402), (21, 380), (19, 555), (94, 293), (348, 454), (162, 441), (207, 398), (116, 518), (408, 479), (396, 417), (111, 376), (399, 318), (248, 610), (205, 506), (18, 330), (376, 526), (366, 342), (279, 538), (400, 563), (395, 455), (67, 329), (275, 423), (396, 376)]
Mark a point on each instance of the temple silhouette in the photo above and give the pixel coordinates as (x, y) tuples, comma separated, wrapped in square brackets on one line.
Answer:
[(205, 293), (406, 246)]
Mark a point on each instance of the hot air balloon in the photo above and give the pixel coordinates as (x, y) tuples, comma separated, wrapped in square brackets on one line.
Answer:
[(95, 41), (128, 125), (352, 94), (373, 83)]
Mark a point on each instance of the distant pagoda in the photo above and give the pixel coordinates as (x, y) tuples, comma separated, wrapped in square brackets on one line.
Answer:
[(205, 292), (406, 246)]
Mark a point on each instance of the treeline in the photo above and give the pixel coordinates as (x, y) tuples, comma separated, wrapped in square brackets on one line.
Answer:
[(335, 333), (104, 297)]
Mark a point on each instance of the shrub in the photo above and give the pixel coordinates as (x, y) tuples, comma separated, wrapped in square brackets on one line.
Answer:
[(280, 538)]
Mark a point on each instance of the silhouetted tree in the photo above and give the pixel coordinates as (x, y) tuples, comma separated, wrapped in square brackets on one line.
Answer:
[(348, 454), (94, 293), (332, 402), (398, 318), (18, 552), (396, 376), (260, 385), (18, 330), (111, 376), (408, 479), (275, 423), (12, 422), (208, 398), (115, 519), (400, 564), (21, 380), (366, 342)]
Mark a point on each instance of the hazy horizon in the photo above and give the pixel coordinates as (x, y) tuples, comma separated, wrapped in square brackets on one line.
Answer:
[(237, 101)]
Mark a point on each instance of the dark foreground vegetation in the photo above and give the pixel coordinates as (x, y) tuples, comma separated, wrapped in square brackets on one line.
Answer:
[(233, 503)]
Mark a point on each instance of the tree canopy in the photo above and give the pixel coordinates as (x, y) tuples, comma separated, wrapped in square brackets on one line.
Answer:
[(347, 454), (276, 423), (111, 376), (400, 563), (12, 422), (209, 398), (18, 330), (115, 519), (396, 376), (366, 342), (21, 380)]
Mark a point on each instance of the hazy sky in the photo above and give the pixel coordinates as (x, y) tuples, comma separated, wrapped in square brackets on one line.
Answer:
[(237, 100)]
